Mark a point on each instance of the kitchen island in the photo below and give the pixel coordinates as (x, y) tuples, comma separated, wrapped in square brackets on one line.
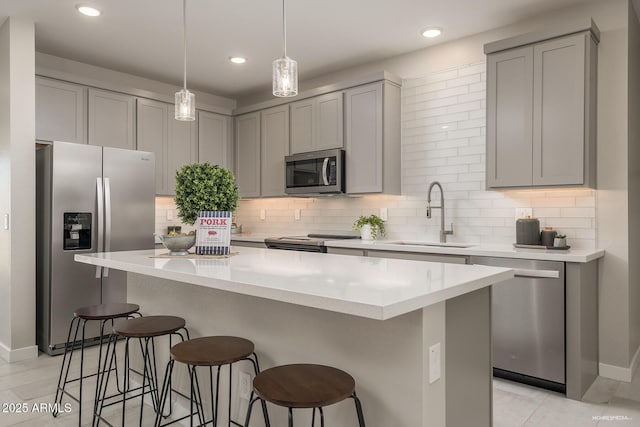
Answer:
[(375, 318)]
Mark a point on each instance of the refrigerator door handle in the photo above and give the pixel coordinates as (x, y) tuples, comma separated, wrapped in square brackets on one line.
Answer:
[(107, 219), (100, 196)]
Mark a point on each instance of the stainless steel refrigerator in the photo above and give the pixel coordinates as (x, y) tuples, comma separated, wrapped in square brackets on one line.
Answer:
[(88, 199)]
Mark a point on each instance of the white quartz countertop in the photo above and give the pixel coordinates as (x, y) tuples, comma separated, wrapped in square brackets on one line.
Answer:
[(374, 288), (501, 251)]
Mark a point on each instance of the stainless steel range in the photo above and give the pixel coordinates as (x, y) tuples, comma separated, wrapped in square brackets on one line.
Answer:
[(308, 243)]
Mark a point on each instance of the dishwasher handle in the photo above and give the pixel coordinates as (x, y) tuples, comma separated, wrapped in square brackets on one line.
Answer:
[(547, 274)]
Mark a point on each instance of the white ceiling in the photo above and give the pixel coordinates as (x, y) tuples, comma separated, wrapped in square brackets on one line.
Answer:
[(144, 37)]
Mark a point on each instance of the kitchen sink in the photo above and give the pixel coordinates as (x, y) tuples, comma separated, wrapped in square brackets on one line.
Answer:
[(432, 244)]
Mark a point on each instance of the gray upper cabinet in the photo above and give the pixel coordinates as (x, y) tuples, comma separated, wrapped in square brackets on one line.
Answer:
[(510, 118), (317, 123), (173, 142), (274, 146), (247, 159), (372, 138), (182, 148), (214, 139), (541, 114), (152, 135), (111, 119), (60, 111)]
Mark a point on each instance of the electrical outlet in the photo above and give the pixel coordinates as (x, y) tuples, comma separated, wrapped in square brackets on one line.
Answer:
[(434, 363), (263, 214), (383, 214), (170, 215), (244, 386), (296, 214), (524, 212)]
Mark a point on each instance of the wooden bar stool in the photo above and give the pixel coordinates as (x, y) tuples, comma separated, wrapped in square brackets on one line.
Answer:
[(145, 329), (215, 351), (304, 386), (102, 313)]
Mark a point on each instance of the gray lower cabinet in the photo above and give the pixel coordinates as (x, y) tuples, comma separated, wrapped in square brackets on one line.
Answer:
[(247, 154), (541, 114), (418, 256), (317, 123), (372, 138), (214, 139), (247, 244), (172, 141), (274, 146), (60, 111), (111, 119)]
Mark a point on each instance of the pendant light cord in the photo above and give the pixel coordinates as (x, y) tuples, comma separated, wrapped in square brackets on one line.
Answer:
[(284, 31), (184, 39)]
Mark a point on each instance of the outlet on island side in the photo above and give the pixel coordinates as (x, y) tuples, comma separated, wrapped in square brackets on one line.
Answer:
[(244, 387)]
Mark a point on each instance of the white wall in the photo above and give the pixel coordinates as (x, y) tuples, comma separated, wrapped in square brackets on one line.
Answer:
[(443, 139), (634, 176), (612, 222), (17, 189), (607, 228)]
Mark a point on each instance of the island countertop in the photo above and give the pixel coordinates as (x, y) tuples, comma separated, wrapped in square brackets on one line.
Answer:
[(374, 288)]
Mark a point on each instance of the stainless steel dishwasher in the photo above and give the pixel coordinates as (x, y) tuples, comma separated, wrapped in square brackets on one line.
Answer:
[(528, 322)]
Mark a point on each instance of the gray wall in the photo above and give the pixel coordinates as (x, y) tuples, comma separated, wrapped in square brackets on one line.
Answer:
[(634, 175), (616, 313), (17, 189)]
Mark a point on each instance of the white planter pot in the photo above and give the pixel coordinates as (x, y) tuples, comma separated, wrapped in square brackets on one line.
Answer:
[(365, 232), (559, 243)]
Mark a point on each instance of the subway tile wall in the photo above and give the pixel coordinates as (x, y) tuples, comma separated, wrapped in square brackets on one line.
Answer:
[(443, 139)]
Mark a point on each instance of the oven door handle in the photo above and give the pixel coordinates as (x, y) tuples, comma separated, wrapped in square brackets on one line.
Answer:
[(325, 164)]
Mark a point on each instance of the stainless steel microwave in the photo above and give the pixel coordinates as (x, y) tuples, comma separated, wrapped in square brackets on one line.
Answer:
[(317, 172)]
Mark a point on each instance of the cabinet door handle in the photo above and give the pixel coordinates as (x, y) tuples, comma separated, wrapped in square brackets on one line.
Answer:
[(549, 274)]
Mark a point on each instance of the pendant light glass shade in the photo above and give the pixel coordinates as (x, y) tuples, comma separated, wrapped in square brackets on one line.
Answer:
[(185, 105), (185, 101), (285, 69), (285, 77)]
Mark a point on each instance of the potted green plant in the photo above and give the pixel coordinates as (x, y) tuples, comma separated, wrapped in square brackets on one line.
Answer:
[(204, 187), (201, 187), (370, 227)]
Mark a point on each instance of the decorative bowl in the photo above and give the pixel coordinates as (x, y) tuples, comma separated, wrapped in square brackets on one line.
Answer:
[(178, 245)]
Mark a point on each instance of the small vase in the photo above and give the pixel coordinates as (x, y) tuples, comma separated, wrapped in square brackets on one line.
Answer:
[(559, 243), (365, 232)]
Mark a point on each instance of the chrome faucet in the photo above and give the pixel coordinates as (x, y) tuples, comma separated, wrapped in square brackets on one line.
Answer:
[(443, 232)]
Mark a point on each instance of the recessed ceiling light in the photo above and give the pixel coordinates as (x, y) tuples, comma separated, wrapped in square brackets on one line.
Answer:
[(88, 10), (432, 32), (237, 59)]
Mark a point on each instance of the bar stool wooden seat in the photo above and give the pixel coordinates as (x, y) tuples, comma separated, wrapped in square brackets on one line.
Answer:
[(212, 351), (145, 329), (304, 386), (102, 313)]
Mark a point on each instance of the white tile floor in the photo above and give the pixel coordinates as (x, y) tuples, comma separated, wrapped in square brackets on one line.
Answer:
[(608, 402)]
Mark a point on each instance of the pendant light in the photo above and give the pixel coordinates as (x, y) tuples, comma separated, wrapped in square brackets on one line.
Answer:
[(185, 100), (285, 69)]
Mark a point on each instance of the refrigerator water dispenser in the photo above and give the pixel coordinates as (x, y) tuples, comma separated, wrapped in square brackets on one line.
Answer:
[(77, 231)]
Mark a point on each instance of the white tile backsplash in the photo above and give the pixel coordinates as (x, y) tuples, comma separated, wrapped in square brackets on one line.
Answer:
[(455, 156)]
